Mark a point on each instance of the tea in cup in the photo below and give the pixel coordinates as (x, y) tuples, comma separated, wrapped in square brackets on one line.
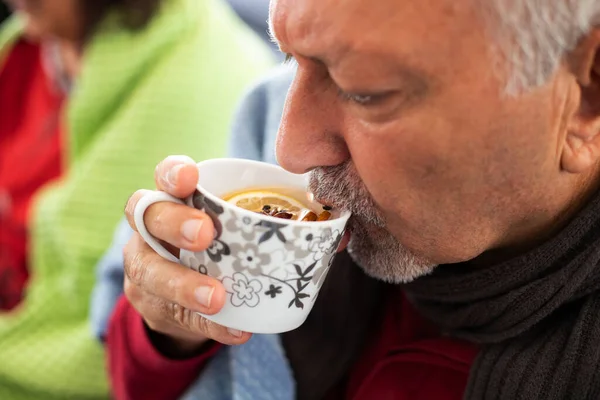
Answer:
[(281, 203)]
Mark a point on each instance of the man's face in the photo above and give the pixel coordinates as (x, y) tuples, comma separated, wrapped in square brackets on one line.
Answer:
[(50, 18), (397, 109)]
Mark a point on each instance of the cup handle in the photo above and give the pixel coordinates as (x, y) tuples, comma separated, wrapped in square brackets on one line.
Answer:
[(138, 217)]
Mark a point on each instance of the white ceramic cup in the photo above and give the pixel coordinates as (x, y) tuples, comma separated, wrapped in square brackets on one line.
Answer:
[(272, 268)]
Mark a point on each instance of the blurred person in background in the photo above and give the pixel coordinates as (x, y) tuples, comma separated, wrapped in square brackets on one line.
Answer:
[(92, 94)]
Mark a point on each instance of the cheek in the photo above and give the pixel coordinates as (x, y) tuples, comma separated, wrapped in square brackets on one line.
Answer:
[(413, 182), (449, 181), (429, 176), (405, 173), (403, 163)]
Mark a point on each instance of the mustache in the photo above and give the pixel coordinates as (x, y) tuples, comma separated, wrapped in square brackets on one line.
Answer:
[(340, 186)]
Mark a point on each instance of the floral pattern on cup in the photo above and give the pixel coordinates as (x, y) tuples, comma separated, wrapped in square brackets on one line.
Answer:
[(198, 262), (303, 242), (243, 291), (217, 250), (213, 210), (326, 241), (271, 230), (273, 291), (243, 224), (249, 258), (327, 261), (268, 260), (295, 286)]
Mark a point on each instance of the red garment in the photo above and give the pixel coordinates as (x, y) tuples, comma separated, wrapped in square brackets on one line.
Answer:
[(30, 151), (137, 370), (407, 360)]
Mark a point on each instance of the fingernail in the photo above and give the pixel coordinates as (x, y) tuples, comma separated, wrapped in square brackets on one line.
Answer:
[(190, 229), (173, 174), (235, 332), (204, 295)]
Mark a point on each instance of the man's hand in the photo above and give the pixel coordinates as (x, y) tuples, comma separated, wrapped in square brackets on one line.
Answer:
[(168, 295)]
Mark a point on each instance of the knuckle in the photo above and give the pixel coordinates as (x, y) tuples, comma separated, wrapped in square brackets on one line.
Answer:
[(175, 286), (129, 289), (133, 200), (136, 268), (181, 315), (131, 247), (132, 292), (203, 326)]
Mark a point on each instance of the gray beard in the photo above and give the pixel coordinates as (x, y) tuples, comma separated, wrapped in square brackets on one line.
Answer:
[(371, 246), (381, 256)]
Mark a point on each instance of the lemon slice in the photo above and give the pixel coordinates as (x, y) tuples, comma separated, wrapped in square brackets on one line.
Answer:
[(255, 201)]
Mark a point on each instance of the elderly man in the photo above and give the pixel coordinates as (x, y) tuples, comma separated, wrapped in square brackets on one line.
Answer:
[(465, 137)]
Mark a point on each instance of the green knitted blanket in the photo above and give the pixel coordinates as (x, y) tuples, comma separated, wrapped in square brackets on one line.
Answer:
[(169, 89)]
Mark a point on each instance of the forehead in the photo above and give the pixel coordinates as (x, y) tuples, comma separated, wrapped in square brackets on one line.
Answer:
[(319, 26)]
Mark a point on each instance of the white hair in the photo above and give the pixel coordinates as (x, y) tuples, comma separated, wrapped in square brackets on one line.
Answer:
[(534, 36)]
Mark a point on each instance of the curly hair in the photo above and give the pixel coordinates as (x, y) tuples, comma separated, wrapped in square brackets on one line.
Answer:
[(135, 14)]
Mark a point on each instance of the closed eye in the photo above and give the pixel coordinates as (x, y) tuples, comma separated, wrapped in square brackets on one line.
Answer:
[(362, 99)]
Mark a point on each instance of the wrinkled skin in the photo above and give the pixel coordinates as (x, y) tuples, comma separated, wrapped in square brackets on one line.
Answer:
[(398, 112), (452, 168)]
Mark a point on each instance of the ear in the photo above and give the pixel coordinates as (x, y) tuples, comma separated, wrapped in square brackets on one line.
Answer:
[(582, 143)]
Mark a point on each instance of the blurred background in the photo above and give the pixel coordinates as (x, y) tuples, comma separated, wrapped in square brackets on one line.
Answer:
[(91, 99), (253, 13)]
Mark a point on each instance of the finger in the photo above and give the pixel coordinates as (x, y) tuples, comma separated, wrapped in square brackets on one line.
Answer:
[(177, 225), (170, 281), (174, 320), (177, 175), (182, 226), (217, 332), (131, 204)]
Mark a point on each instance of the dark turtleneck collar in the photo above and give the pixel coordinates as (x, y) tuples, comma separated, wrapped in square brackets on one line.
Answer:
[(536, 315)]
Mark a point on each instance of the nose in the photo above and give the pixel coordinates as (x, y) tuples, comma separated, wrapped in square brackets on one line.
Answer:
[(310, 134)]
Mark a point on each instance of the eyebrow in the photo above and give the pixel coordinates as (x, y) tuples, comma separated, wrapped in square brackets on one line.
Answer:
[(416, 76)]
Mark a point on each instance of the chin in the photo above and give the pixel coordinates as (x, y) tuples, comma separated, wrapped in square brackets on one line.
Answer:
[(383, 257)]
